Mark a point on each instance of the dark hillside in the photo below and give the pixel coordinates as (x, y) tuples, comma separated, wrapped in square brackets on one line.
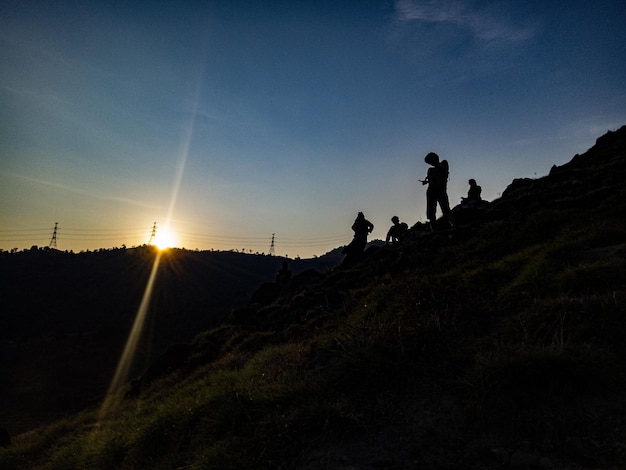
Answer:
[(64, 317), (496, 345), (51, 292)]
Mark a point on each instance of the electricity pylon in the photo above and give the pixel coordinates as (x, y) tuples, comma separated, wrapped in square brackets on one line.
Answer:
[(153, 234), (272, 245), (53, 240)]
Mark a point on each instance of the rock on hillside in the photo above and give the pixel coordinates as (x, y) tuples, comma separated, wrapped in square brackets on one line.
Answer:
[(584, 181)]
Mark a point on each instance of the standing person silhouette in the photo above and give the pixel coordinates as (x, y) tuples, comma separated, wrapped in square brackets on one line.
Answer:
[(361, 228), (437, 192)]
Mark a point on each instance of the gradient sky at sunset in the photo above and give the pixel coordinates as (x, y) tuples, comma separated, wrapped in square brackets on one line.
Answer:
[(234, 120)]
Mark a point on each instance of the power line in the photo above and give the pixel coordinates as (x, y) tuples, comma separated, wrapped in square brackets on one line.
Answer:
[(104, 230), (134, 236), (25, 230), (261, 240)]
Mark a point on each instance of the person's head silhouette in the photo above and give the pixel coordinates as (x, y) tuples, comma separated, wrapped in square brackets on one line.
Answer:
[(432, 158)]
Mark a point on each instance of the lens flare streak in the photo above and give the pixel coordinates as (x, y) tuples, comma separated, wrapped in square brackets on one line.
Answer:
[(130, 349), (126, 360)]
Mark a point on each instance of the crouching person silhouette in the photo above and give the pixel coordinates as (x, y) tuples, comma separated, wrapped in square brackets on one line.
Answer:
[(361, 228)]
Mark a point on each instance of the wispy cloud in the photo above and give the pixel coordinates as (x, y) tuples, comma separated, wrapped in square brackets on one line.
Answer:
[(81, 192), (483, 24)]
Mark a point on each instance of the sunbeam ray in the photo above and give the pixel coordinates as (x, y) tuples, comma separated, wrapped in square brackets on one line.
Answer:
[(130, 349), (126, 360)]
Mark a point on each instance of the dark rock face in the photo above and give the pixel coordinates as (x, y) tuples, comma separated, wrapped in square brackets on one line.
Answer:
[(517, 185)]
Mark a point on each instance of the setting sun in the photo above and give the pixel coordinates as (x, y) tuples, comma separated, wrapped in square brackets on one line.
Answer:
[(164, 238)]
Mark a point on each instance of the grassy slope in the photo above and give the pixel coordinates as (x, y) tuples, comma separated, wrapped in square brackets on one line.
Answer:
[(498, 344)]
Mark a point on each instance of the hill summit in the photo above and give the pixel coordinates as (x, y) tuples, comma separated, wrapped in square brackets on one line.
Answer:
[(496, 345)]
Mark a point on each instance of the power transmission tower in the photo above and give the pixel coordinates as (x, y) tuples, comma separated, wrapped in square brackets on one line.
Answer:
[(153, 234), (53, 240), (272, 245)]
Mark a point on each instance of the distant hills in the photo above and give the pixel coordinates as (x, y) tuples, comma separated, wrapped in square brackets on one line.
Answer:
[(65, 316), (495, 345)]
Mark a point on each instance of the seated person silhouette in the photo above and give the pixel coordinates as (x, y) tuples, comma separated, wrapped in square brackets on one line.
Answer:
[(473, 195), (396, 231)]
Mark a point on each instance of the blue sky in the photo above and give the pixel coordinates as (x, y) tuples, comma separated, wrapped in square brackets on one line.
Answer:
[(230, 121)]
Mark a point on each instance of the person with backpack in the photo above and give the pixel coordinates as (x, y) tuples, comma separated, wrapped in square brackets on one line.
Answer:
[(437, 192), (396, 231)]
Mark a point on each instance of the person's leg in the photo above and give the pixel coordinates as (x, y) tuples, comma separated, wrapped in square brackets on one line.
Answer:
[(431, 209), (445, 208)]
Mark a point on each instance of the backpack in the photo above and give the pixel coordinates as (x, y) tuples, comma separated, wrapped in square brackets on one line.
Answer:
[(438, 175), (446, 168)]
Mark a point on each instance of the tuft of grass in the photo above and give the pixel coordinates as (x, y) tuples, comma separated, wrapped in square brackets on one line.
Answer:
[(542, 226), (593, 278), (566, 321), (530, 394)]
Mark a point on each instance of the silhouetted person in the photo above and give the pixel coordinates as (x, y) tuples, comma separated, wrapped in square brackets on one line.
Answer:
[(396, 231), (284, 274), (362, 228), (437, 192), (473, 195)]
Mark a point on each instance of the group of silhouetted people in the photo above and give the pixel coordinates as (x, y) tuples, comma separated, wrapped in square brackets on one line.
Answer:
[(436, 194)]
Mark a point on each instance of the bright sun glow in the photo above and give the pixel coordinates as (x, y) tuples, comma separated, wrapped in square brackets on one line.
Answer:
[(164, 239)]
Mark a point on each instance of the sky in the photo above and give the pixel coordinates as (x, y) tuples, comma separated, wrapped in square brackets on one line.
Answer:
[(229, 122)]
